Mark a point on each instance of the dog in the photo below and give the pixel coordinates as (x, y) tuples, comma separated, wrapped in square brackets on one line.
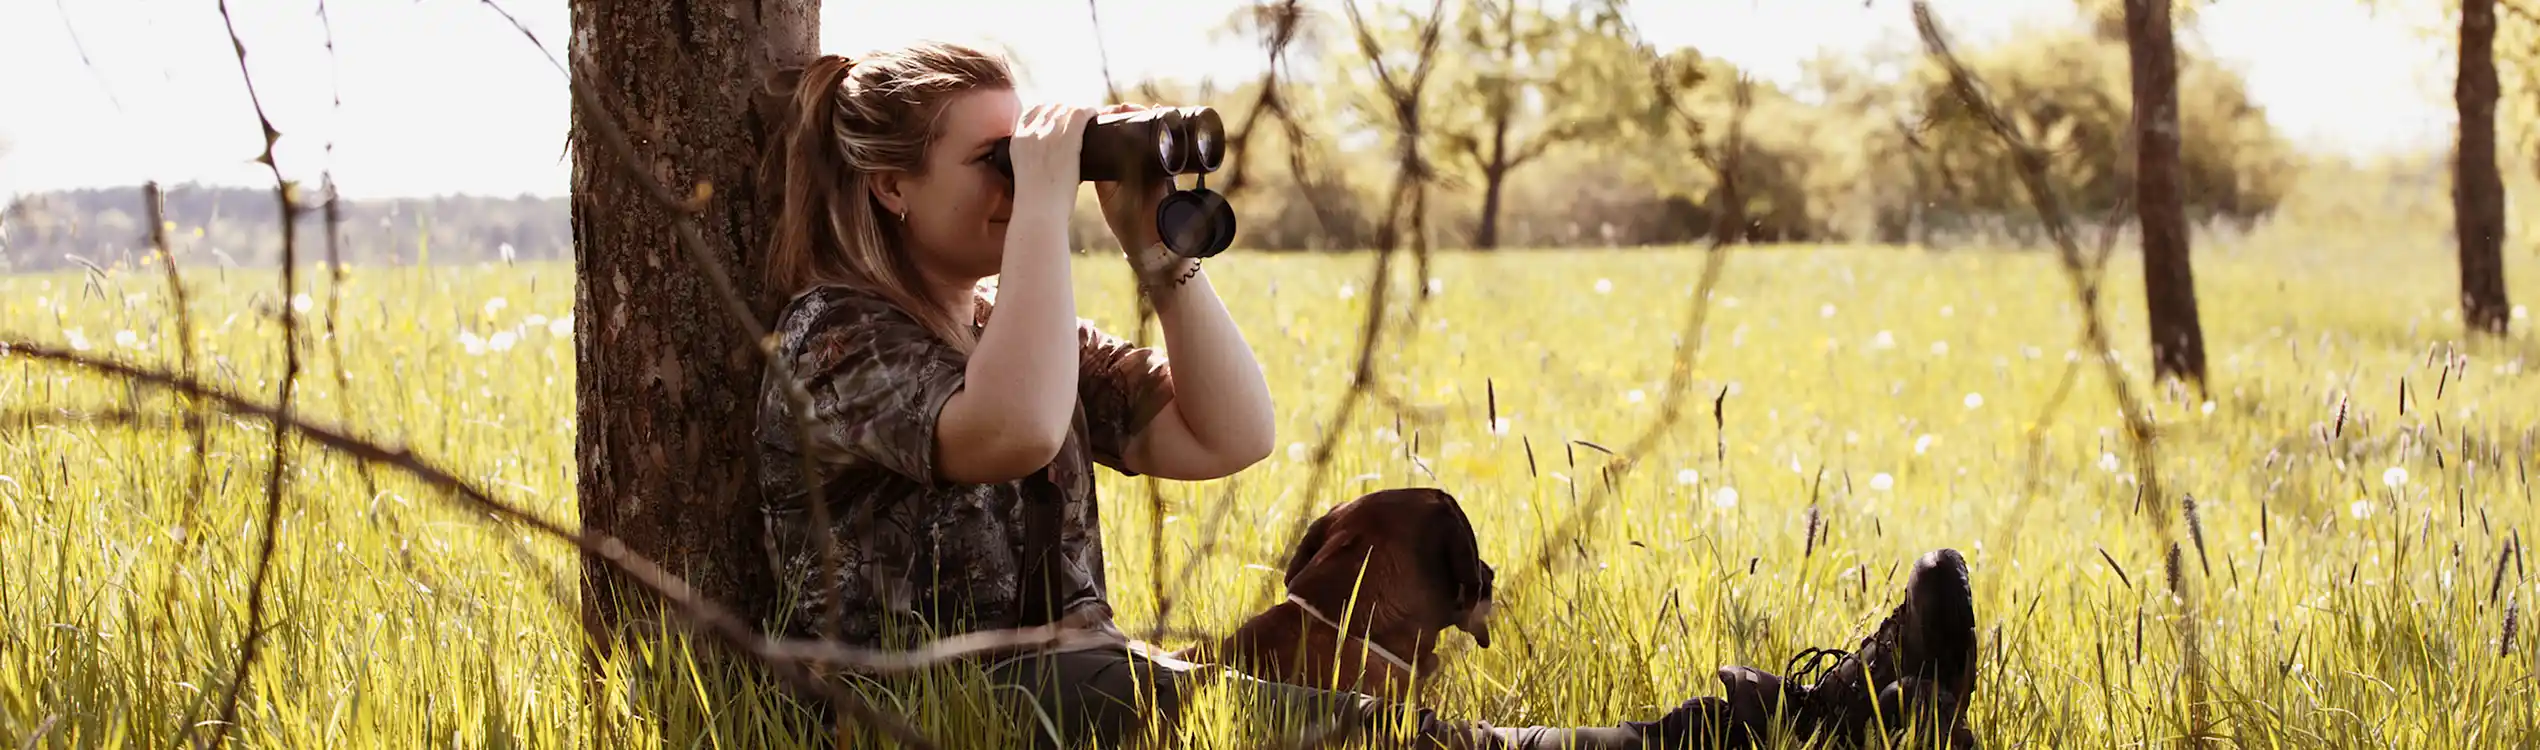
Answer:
[(1396, 568)]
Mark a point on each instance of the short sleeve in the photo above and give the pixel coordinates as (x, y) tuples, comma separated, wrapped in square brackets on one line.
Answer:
[(1123, 386), (877, 380)]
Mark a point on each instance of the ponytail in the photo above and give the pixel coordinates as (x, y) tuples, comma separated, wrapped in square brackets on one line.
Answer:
[(801, 171), (839, 120)]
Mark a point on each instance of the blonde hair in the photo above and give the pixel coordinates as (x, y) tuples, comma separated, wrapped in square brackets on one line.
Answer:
[(846, 119)]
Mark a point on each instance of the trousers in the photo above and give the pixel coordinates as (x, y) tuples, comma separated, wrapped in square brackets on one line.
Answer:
[(1111, 696)]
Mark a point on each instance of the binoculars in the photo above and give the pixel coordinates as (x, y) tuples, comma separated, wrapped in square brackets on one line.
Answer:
[(1158, 143)]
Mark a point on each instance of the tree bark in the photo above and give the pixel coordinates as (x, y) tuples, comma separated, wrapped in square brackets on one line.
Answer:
[(666, 383), (2478, 185), (2169, 281), (1486, 236)]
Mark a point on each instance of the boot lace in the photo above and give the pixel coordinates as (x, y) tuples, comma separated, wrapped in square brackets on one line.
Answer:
[(1816, 658)]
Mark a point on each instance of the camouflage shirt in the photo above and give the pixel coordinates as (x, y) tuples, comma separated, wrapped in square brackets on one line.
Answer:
[(921, 557)]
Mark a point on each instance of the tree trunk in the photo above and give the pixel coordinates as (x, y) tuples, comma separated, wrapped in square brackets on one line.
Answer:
[(1486, 236), (2478, 187), (666, 383), (2169, 282)]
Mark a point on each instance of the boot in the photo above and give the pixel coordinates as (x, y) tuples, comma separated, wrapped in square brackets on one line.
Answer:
[(1929, 639)]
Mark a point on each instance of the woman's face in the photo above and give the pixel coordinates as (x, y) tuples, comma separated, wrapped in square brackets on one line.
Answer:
[(958, 204)]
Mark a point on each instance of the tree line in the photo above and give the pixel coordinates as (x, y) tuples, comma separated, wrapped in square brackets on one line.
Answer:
[(1549, 127)]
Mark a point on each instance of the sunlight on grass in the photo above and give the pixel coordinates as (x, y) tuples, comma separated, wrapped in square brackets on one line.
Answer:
[(2350, 570)]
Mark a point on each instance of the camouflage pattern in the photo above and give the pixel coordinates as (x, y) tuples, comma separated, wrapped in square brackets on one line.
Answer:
[(921, 557)]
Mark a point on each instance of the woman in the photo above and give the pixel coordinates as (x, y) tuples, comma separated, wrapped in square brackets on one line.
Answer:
[(954, 438)]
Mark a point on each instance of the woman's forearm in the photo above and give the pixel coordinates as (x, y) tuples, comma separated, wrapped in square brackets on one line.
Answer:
[(1218, 385), (1019, 387)]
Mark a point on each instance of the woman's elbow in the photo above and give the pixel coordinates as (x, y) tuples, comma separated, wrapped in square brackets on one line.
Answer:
[(1248, 447), (1003, 448), (996, 459)]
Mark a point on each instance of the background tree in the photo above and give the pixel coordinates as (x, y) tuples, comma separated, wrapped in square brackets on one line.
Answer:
[(1518, 81), (2169, 280), (666, 387), (2478, 188)]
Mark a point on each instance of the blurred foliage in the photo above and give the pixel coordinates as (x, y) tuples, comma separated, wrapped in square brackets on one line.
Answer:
[(1558, 108)]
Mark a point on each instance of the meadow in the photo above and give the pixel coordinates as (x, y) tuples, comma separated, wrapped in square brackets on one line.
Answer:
[(2351, 587)]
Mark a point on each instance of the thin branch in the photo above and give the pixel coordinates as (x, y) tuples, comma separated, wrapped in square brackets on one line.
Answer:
[(1283, 22), (279, 468), (154, 203), (1282, 31), (697, 612), (1728, 219), (1110, 88), (82, 49), (1408, 178), (2140, 434)]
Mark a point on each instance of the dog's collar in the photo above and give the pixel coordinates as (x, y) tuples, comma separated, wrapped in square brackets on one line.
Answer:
[(1380, 651)]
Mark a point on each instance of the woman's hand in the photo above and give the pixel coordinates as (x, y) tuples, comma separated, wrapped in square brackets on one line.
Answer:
[(1046, 151), (1129, 206)]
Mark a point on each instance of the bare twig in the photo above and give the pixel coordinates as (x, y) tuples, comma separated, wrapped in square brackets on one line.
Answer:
[(697, 612), (334, 243), (1409, 182), (1110, 88), (1281, 30), (2138, 421), (82, 49), (280, 465), (1728, 223), (2034, 477), (155, 204)]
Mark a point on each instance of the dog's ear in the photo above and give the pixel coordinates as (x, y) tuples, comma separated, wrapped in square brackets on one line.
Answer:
[(1306, 547), (1456, 559)]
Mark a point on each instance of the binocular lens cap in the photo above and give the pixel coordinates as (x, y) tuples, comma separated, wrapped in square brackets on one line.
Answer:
[(1196, 223)]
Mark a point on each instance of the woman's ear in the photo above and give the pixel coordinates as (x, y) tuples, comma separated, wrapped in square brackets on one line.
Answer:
[(887, 187)]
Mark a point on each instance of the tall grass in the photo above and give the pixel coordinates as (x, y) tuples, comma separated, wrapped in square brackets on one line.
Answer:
[(2358, 588)]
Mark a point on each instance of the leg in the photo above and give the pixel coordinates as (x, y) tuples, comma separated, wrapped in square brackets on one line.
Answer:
[(1113, 697)]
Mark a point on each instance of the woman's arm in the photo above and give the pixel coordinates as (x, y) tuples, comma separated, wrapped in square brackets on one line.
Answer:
[(1019, 393), (1019, 387), (1220, 419)]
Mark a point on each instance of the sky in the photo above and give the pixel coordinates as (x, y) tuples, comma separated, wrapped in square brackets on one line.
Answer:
[(445, 96)]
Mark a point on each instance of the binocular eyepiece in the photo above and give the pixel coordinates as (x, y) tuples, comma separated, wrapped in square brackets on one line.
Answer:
[(1163, 142)]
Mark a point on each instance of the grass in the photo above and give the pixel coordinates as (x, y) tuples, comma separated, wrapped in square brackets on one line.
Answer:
[(2354, 597)]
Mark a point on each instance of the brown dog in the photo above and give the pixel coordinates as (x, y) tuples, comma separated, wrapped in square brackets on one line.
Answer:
[(1397, 567)]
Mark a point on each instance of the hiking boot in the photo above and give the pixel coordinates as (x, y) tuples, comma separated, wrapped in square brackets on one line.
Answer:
[(1930, 638)]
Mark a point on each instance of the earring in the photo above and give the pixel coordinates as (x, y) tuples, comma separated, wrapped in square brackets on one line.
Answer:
[(903, 214)]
